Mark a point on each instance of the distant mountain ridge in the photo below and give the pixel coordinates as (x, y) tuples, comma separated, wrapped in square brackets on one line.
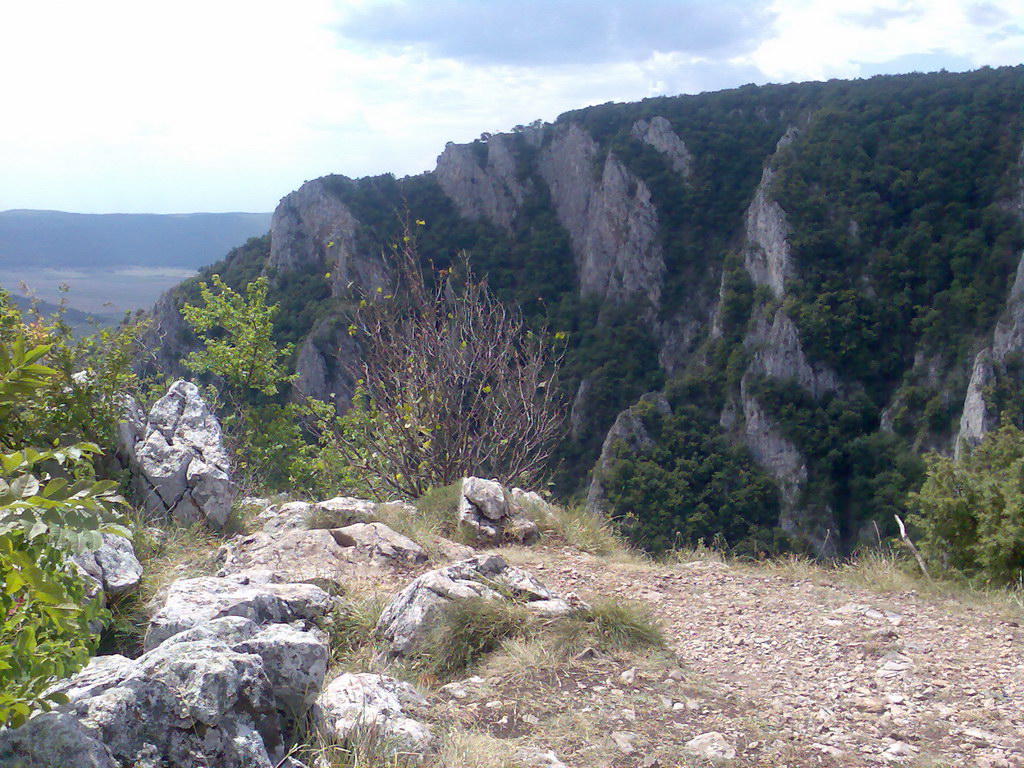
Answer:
[(56, 240)]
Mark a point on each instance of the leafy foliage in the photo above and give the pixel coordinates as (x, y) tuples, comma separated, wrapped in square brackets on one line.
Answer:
[(236, 332), (44, 515), (971, 513), (691, 485)]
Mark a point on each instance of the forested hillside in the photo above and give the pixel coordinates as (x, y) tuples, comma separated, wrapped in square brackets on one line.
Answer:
[(816, 282)]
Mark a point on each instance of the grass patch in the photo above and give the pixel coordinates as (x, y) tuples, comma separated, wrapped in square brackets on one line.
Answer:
[(469, 629), (349, 629), (582, 530), (172, 552), (612, 625)]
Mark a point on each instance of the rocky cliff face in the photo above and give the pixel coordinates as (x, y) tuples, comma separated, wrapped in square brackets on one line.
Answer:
[(654, 207), (980, 417), (610, 219), (313, 230), (659, 134), (490, 188)]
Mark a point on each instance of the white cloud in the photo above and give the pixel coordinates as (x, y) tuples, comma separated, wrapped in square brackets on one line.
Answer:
[(819, 39), (122, 105)]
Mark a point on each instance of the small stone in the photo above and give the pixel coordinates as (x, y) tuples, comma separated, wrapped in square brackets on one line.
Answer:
[(711, 745), (629, 676), (624, 741)]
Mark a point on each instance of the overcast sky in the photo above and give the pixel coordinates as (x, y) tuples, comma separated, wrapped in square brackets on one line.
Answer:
[(227, 105)]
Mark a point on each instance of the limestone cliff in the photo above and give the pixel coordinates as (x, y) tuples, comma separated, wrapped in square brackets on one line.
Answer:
[(313, 230), (488, 188), (628, 435), (659, 134), (609, 216)]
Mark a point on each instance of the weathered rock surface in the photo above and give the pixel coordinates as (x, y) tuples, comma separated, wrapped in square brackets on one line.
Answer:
[(312, 229), (488, 188), (374, 706), (379, 543), (976, 419), (113, 567), (767, 255), (408, 618), (486, 512), (788, 467), (251, 595), (178, 460), (711, 745), (611, 220), (778, 354), (186, 703), (659, 134)]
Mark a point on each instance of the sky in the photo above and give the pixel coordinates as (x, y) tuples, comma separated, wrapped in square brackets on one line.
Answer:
[(137, 106)]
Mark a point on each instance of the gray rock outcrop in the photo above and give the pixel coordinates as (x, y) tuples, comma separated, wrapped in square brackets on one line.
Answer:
[(767, 254), (312, 229), (658, 133), (612, 223), (487, 512), (485, 188), (113, 567), (778, 354), (178, 460), (251, 595), (976, 419), (379, 543), (223, 693), (376, 707), (410, 616)]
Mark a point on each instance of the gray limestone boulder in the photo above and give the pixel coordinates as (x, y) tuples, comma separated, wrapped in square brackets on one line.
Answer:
[(253, 596), (178, 460), (485, 511), (113, 567), (224, 693), (409, 617), (54, 739), (379, 543), (372, 706)]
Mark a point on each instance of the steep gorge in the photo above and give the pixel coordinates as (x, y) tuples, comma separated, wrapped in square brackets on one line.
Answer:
[(819, 275)]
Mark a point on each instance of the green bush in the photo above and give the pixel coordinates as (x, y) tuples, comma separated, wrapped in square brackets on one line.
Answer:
[(970, 513), (49, 507)]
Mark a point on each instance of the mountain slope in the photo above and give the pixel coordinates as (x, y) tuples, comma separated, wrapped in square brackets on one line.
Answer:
[(817, 278)]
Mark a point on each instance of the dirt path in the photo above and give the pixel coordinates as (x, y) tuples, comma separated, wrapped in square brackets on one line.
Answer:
[(826, 674)]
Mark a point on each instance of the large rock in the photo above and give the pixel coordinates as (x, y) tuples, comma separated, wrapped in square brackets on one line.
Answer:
[(409, 617), (54, 739), (252, 596), (183, 705), (178, 460), (366, 706), (113, 567), (379, 543), (484, 509), (321, 556)]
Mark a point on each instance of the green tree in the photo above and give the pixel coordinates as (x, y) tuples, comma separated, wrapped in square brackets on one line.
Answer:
[(970, 513), (49, 507), (238, 348), (236, 332)]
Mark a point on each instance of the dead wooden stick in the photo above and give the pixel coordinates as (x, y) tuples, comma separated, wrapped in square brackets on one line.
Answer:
[(909, 543)]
